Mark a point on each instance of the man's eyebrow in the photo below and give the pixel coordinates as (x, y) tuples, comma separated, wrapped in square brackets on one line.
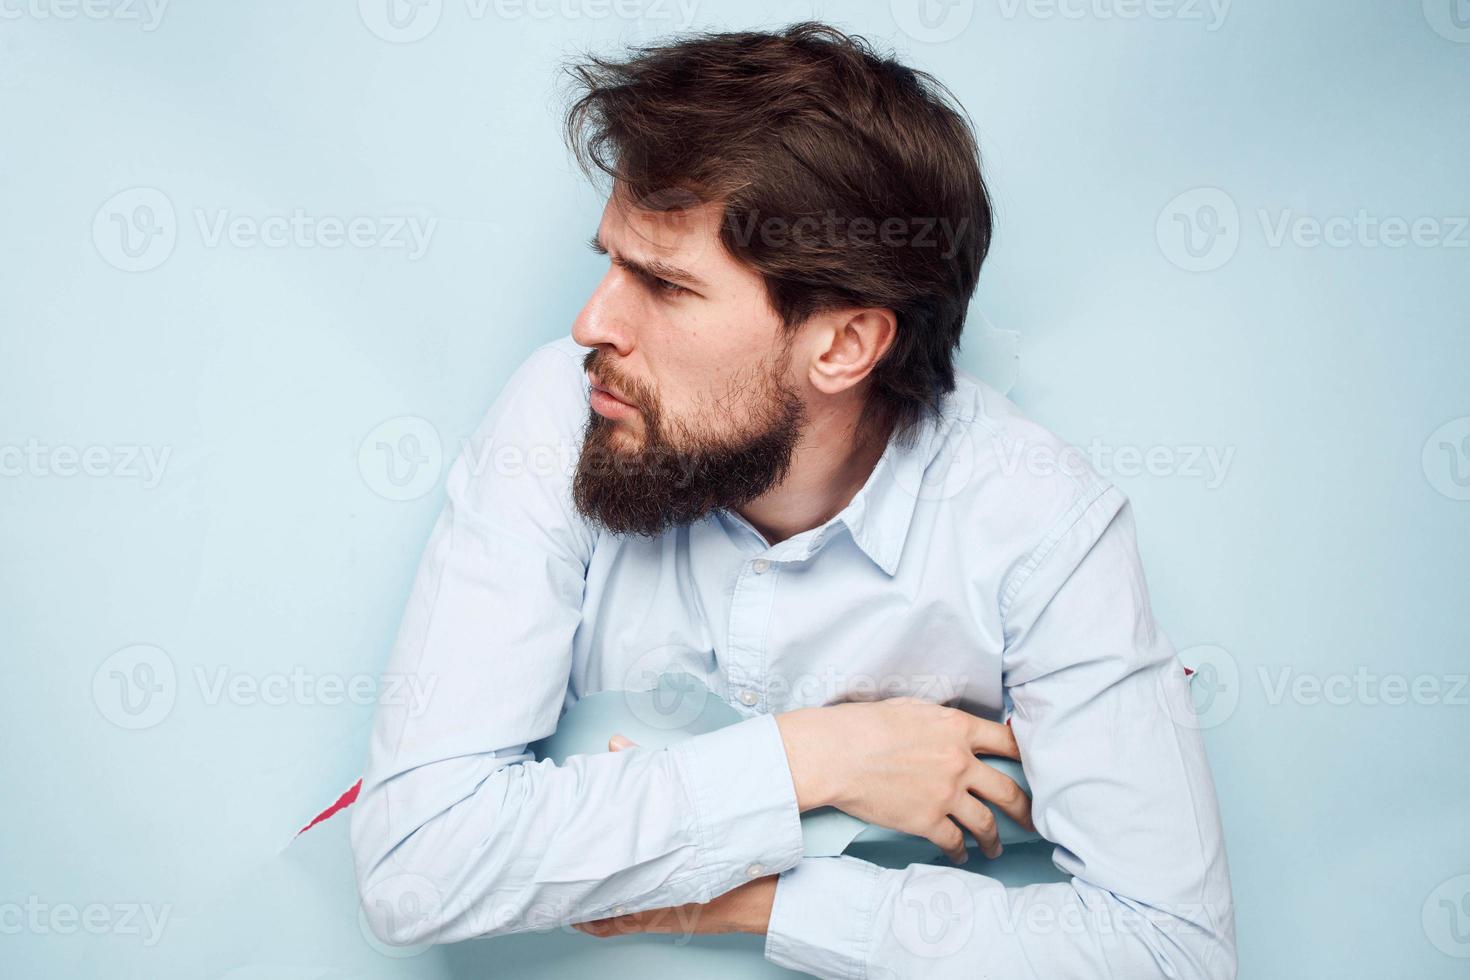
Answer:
[(648, 268)]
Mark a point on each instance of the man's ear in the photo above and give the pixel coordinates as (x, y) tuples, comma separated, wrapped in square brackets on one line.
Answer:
[(848, 344)]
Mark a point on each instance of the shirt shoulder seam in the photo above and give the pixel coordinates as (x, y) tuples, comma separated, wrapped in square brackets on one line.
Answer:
[(1048, 544)]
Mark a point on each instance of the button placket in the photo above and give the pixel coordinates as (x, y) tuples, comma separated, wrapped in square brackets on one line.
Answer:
[(750, 611)]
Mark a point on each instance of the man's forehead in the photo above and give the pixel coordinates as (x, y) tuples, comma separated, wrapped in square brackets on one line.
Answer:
[(629, 227)]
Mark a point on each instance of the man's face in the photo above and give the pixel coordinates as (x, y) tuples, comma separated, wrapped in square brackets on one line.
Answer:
[(707, 412)]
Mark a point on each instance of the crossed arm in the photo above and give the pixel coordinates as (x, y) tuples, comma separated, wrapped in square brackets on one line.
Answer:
[(877, 761), (1121, 784), (459, 832)]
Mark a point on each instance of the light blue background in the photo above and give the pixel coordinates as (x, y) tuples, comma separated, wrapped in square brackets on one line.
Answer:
[(1333, 543)]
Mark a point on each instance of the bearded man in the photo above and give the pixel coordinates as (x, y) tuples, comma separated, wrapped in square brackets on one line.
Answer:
[(783, 485)]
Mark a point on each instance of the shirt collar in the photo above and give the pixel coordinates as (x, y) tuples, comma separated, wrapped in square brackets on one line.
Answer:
[(879, 516)]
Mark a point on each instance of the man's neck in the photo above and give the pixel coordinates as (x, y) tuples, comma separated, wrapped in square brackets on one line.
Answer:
[(831, 463)]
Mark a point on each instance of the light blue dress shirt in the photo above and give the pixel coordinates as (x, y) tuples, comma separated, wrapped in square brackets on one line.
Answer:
[(982, 565)]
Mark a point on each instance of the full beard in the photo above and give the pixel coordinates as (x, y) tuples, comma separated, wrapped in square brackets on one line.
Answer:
[(663, 484)]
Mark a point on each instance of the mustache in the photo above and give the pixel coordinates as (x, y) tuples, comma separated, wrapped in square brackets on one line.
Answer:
[(594, 363)]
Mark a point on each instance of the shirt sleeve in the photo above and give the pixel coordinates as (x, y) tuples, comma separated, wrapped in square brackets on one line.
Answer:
[(459, 831), (1120, 783)]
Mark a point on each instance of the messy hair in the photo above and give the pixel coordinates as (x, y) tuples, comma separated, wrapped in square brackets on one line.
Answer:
[(846, 178)]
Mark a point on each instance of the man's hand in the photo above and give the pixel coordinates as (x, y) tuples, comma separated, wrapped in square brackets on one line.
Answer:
[(906, 764), (745, 908)]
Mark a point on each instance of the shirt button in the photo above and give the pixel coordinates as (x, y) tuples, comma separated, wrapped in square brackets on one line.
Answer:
[(749, 697), (759, 566), (755, 870), (617, 910)]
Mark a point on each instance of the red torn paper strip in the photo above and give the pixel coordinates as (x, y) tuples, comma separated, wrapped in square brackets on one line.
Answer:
[(343, 802)]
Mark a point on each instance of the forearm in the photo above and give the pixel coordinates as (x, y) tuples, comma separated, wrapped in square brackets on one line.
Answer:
[(843, 917), (480, 846)]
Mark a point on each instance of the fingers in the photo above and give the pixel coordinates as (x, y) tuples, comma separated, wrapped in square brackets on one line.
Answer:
[(948, 837), (976, 817), (620, 742), (993, 738), (997, 788)]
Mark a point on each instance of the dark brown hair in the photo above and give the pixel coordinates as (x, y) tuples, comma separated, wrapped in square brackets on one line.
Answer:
[(846, 179)]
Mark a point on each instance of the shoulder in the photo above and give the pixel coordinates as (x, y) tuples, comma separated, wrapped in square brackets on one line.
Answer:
[(545, 397), (553, 373), (1025, 489), (516, 469), (1015, 464), (565, 350)]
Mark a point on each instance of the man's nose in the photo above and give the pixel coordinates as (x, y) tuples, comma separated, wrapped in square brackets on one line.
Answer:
[(604, 319)]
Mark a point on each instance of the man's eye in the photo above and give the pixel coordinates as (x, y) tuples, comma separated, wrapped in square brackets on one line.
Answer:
[(671, 288)]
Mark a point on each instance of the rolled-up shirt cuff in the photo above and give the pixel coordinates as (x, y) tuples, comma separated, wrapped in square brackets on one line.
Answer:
[(744, 800), (822, 918)]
